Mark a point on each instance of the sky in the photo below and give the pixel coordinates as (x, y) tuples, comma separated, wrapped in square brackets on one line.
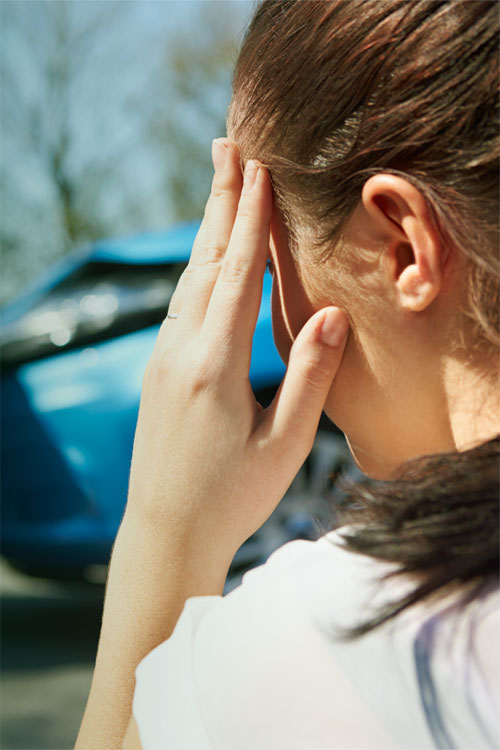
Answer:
[(118, 73)]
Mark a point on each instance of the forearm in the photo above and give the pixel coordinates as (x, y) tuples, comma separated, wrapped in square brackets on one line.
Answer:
[(152, 573), (209, 464)]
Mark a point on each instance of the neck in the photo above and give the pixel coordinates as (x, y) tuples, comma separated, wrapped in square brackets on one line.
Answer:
[(473, 401)]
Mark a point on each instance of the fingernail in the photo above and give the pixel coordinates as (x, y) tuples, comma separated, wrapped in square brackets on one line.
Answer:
[(251, 169), (219, 153), (334, 328)]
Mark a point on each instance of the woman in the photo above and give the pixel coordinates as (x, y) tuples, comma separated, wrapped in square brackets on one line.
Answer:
[(375, 122)]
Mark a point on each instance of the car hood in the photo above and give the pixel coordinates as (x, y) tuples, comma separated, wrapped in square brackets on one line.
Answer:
[(171, 246)]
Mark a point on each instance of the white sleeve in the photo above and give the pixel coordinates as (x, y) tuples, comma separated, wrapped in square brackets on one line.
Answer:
[(165, 702)]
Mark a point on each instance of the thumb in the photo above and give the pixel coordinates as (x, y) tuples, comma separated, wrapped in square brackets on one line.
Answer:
[(313, 363)]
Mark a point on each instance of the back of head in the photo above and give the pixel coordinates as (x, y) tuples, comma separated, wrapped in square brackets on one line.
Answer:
[(330, 93)]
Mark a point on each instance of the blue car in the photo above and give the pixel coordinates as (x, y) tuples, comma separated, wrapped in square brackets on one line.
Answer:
[(74, 349)]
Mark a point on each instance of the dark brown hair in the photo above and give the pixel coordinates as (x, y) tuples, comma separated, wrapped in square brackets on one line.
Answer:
[(330, 92), (437, 519)]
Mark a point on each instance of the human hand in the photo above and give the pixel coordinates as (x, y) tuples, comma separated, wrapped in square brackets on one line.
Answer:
[(209, 464)]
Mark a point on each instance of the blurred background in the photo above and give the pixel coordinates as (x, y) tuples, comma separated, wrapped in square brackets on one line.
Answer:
[(108, 110)]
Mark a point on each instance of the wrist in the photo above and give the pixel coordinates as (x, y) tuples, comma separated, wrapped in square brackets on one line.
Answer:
[(192, 560), (153, 570)]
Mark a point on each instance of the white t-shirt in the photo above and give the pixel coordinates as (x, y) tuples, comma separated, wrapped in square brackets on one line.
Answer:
[(263, 668)]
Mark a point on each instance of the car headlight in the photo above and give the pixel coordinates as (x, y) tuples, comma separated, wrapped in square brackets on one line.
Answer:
[(98, 301)]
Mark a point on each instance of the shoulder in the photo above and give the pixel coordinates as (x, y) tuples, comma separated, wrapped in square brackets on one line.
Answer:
[(273, 645), (263, 648), (263, 667), (320, 579)]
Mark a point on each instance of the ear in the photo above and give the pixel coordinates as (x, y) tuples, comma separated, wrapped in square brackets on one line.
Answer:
[(401, 220)]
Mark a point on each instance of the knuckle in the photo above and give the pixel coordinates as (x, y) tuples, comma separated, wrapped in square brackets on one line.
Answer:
[(234, 270), (212, 255), (200, 374), (246, 214), (205, 372), (222, 190), (225, 184), (162, 361), (315, 379), (199, 382), (185, 275), (183, 280), (314, 372)]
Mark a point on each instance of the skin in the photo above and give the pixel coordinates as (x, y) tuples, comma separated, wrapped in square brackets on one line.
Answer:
[(404, 388), (181, 527), (367, 339)]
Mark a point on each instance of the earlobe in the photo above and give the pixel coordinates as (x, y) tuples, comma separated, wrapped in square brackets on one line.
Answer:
[(416, 283), (414, 252), (415, 293)]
